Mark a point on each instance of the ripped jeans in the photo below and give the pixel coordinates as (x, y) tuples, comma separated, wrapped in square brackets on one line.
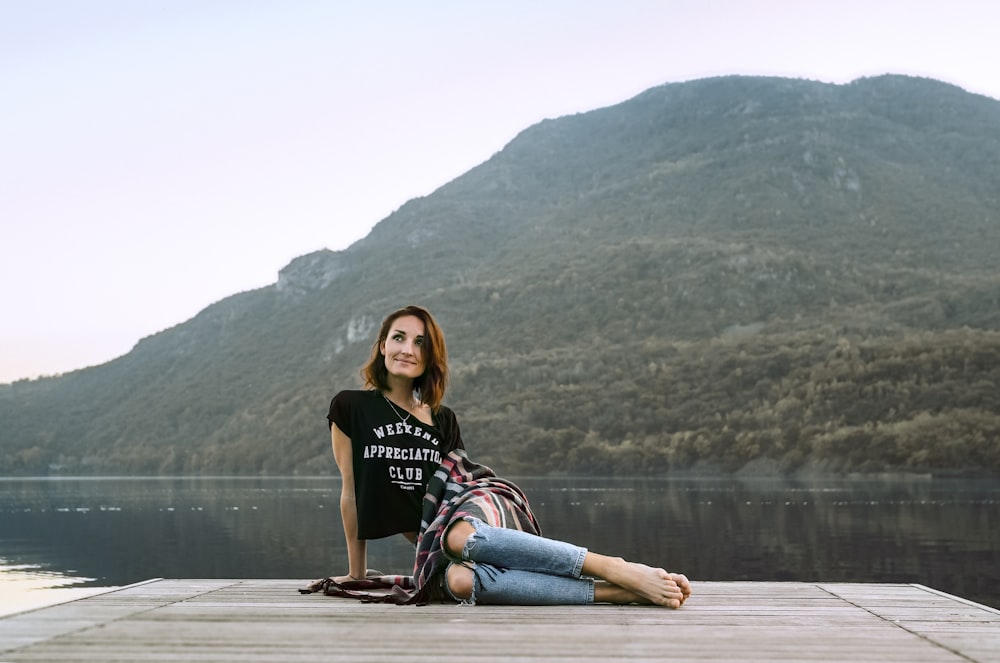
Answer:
[(512, 567)]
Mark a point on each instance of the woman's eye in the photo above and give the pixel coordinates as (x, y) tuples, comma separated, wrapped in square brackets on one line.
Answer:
[(420, 342)]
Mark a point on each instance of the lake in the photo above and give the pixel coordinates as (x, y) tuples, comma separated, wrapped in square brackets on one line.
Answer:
[(80, 534)]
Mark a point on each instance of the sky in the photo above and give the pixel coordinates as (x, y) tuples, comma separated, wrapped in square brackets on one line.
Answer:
[(157, 156)]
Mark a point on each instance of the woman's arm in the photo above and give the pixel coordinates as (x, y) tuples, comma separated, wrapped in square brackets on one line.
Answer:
[(357, 549)]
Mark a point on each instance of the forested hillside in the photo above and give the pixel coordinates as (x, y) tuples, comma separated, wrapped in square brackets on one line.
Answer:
[(732, 274)]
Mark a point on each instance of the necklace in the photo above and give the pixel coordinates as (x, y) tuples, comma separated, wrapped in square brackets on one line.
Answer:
[(401, 417)]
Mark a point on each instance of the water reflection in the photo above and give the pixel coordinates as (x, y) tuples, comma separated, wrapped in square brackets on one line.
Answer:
[(28, 586), (944, 534)]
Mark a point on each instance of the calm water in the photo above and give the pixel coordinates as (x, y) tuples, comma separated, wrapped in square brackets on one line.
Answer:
[(87, 533)]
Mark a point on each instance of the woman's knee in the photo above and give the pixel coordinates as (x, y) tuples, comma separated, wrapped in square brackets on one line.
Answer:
[(460, 580), (457, 535)]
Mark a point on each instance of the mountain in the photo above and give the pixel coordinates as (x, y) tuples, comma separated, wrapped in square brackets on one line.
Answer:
[(730, 274)]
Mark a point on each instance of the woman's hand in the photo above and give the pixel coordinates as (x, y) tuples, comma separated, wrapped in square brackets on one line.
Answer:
[(340, 580), (369, 573)]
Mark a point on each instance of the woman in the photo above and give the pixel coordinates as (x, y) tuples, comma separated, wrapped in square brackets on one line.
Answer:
[(404, 469)]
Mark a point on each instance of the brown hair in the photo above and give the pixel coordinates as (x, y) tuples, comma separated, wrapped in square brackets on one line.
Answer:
[(433, 382)]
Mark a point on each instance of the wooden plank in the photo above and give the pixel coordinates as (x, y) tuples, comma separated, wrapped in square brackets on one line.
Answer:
[(267, 620), (952, 623)]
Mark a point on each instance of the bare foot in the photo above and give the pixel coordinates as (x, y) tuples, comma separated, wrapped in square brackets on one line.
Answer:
[(648, 584), (660, 587), (605, 592)]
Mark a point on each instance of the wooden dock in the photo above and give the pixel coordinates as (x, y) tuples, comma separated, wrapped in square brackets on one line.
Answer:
[(268, 620)]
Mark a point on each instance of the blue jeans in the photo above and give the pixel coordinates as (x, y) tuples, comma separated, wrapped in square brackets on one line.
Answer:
[(517, 568)]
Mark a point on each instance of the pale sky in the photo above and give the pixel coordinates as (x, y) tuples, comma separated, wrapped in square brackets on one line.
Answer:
[(157, 156)]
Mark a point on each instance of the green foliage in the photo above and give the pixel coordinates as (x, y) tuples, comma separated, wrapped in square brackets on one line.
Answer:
[(733, 274)]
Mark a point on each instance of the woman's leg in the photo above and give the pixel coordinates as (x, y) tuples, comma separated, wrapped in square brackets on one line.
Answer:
[(627, 582), (489, 585), (473, 540), (465, 585)]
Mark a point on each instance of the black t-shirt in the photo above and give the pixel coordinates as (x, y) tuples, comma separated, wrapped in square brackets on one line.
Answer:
[(393, 457)]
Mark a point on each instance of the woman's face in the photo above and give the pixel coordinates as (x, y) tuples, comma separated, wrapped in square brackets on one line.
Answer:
[(403, 348)]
